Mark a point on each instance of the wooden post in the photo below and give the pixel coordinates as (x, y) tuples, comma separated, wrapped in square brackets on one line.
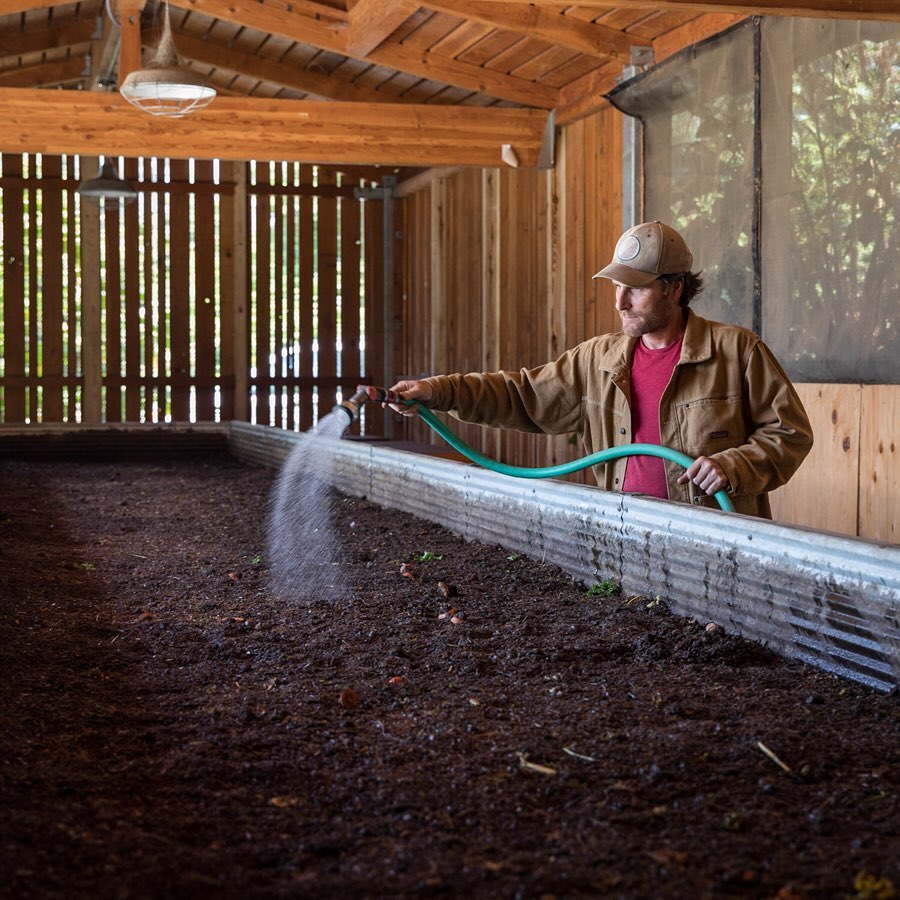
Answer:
[(130, 39), (91, 337)]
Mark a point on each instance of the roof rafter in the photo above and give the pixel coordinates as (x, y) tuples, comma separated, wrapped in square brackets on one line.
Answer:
[(220, 56), (46, 74), (373, 21), (552, 26), (275, 17)]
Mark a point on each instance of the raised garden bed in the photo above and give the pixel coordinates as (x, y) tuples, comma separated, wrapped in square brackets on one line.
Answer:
[(477, 724)]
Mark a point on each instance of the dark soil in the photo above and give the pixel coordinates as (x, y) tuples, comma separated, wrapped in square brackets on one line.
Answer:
[(169, 730)]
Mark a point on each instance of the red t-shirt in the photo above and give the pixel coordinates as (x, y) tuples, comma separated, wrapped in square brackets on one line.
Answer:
[(650, 374)]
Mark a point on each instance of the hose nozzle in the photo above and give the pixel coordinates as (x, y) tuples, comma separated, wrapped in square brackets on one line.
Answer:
[(353, 405)]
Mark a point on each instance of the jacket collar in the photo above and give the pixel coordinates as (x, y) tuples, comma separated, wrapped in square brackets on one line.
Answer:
[(696, 346)]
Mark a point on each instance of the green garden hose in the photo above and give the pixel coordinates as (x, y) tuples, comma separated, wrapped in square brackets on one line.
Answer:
[(602, 456), (382, 395)]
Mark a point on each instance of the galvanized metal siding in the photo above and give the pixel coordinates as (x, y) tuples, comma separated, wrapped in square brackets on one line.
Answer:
[(830, 601)]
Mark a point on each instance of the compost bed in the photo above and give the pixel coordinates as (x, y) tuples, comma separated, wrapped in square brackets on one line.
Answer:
[(169, 729)]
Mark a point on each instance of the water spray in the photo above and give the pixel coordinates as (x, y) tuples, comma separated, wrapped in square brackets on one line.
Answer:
[(371, 393)]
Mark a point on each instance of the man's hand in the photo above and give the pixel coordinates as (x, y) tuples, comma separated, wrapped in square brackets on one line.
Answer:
[(707, 474), (410, 390)]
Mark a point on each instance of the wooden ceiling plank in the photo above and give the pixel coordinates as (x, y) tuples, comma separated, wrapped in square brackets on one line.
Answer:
[(15, 42), (288, 76), (373, 21), (465, 75), (242, 129), (274, 17), (596, 40), (61, 71)]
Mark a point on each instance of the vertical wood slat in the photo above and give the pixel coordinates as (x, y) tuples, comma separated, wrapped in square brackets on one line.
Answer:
[(132, 299), (263, 298), (326, 263), (373, 218), (33, 304), (52, 292), (162, 259), (179, 292), (205, 293), (290, 301), (147, 339), (13, 292), (112, 406), (879, 470), (834, 415), (350, 294), (306, 264), (233, 281), (73, 318), (278, 339), (91, 338)]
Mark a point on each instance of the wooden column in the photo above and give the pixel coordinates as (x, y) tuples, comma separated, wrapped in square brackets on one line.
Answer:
[(91, 336), (129, 12), (239, 295)]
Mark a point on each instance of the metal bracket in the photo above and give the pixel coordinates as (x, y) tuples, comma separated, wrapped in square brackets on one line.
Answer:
[(547, 156)]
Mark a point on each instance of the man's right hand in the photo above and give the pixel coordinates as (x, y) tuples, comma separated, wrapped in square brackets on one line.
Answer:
[(410, 390)]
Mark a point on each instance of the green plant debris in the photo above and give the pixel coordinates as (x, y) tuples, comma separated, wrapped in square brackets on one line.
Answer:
[(258, 559), (606, 588), (428, 556)]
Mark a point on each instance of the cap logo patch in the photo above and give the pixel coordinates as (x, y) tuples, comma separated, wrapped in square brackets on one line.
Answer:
[(628, 248)]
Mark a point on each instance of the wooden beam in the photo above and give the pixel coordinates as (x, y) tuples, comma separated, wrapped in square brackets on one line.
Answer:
[(46, 74), (18, 42), (886, 10), (250, 128), (275, 17), (587, 94), (564, 31), (218, 55), (373, 21), (105, 56), (129, 12)]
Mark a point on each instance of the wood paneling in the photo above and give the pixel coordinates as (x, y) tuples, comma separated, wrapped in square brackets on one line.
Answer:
[(812, 497), (879, 463)]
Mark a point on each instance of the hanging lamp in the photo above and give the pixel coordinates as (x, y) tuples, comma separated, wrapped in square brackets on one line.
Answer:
[(164, 87), (107, 185)]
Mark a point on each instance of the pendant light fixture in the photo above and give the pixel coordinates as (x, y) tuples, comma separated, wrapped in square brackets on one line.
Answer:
[(107, 185), (164, 87)]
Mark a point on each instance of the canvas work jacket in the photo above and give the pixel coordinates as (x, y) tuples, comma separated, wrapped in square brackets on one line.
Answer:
[(728, 399)]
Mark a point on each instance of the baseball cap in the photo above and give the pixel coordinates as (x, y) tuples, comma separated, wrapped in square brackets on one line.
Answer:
[(645, 252)]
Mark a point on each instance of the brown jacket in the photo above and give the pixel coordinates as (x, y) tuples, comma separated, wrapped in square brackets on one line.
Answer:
[(728, 399)]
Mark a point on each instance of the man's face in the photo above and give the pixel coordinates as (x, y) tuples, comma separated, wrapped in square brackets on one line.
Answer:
[(646, 310)]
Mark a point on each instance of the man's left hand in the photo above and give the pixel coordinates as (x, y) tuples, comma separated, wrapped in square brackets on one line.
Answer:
[(707, 474)]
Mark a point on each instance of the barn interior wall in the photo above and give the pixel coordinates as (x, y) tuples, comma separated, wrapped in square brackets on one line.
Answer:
[(497, 274)]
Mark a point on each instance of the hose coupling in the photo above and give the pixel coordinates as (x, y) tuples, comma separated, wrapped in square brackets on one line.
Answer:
[(353, 405)]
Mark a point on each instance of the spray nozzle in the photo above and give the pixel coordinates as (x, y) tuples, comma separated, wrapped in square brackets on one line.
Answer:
[(352, 405)]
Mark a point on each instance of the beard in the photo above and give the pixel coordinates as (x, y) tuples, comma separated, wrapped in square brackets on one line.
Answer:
[(653, 319)]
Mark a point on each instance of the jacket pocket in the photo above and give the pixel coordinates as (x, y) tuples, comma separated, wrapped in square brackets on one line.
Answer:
[(710, 425)]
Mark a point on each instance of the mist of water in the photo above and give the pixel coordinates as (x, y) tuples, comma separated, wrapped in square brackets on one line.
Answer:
[(303, 551)]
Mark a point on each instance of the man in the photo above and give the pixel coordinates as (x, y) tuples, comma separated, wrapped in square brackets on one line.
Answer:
[(715, 392)]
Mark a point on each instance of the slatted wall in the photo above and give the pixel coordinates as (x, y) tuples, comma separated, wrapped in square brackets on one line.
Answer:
[(487, 249), (223, 290)]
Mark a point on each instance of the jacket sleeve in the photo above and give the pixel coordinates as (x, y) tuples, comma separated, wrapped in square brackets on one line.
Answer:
[(779, 434), (546, 399)]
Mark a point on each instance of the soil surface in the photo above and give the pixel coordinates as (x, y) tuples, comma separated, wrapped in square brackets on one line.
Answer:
[(461, 721)]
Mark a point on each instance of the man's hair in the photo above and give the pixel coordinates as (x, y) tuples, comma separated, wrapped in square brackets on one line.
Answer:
[(693, 285)]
